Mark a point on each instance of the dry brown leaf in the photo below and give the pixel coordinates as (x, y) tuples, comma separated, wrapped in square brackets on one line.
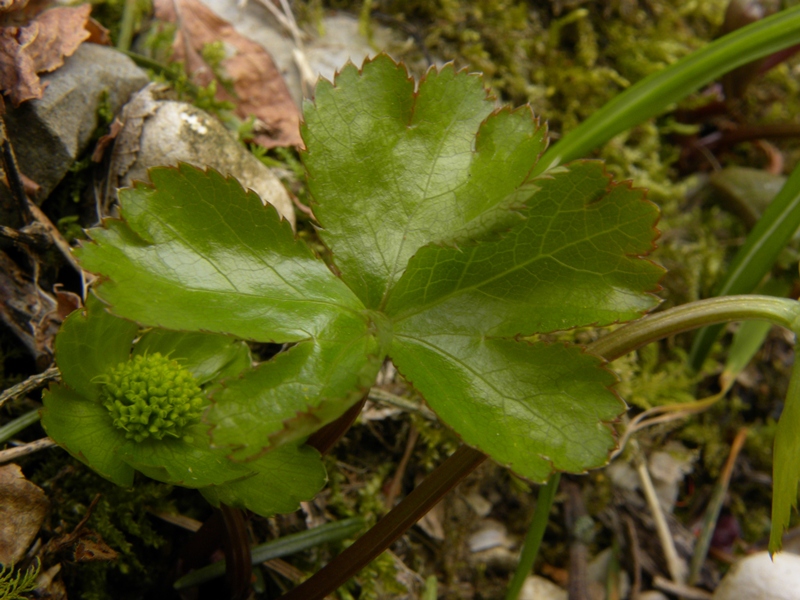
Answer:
[(105, 140), (23, 507), (97, 33), (12, 5), (39, 47), (259, 86), (91, 547)]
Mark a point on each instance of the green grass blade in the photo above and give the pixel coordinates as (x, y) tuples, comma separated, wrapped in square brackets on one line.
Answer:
[(655, 93), (12, 428), (755, 258), (533, 539), (289, 544)]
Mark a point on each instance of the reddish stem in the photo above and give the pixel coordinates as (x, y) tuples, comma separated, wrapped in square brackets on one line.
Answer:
[(410, 510)]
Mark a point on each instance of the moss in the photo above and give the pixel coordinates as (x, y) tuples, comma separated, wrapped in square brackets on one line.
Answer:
[(654, 376), (109, 14), (120, 518), (16, 585), (380, 577)]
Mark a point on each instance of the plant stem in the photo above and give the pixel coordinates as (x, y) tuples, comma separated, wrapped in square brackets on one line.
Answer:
[(410, 510), (126, 26), (238, 563), (533, 539), (618, 343)]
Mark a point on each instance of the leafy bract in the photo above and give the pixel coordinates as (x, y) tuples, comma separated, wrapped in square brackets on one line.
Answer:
[(392, 169), (297, 391), (82, 428), (196, 252), (86, 347), (285, 477), (91, 344), (207, 357)]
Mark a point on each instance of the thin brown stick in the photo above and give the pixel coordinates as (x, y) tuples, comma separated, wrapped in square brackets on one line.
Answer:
[(30, 384), (236, 546), (686, 592), (714, 508), (24, 450), (55, 235), (575, 514), (397, 480), (676, 567), (636, 560)]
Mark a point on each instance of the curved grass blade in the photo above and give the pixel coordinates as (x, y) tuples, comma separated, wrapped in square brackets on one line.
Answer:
[(655, 93), (289, 544), (755, 258)]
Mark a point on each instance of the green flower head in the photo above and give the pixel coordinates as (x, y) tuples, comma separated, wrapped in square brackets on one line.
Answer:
[(152, 395), (131, 402)]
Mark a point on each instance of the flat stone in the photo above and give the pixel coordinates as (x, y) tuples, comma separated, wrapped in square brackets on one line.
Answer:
[(159, 132), (50, 133), (758, 576)]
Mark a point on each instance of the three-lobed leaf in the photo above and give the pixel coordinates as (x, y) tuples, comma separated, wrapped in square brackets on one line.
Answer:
[(448, 256)]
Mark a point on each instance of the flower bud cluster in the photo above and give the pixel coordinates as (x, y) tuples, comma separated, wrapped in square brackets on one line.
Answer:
[(152, 396)]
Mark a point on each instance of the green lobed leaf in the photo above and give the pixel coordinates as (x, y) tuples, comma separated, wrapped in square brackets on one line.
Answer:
[(534, 408), (298, 391), (573, 261), (84, 429), (189, 461), (392, 170), (205, 356), (285, 477), (90, 342), (196, 252)]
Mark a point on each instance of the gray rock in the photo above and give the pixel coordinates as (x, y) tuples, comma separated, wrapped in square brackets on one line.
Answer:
[(159, 132), (48, 134)]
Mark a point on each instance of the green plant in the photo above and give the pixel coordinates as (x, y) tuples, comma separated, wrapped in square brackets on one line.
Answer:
[(453, 248), (125, 407), (447, 258), (12, 587)]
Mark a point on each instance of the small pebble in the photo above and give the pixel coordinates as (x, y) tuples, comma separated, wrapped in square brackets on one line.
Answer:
[(758, 576)]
